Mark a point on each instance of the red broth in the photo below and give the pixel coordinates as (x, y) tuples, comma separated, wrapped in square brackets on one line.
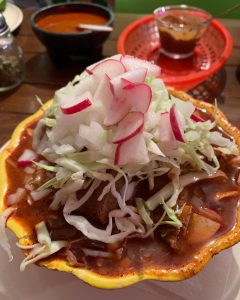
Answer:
[(138, 254), (68, 22)]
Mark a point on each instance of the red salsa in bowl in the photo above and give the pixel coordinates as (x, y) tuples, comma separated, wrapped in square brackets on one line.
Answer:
[(68, 22)]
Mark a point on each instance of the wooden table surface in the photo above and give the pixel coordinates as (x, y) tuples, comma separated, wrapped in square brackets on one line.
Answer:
[(43, 77)]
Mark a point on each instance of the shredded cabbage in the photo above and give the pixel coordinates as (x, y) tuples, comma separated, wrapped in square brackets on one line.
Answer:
[(46, 167), (80, 147), (44, 248), (143, 211), (4, 242), (82, 155)]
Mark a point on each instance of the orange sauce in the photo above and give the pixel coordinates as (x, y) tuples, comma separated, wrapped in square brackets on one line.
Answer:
[(68, 22), (138, 254)]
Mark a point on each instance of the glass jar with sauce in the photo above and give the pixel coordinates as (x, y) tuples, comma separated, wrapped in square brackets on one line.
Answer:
[(180, 28)]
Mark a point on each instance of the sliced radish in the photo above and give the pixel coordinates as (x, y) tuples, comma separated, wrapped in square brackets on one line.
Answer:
[(115, 57), (103, 92), (111, 67), (128, 127), (89, 83), (125, 82), (117, 111), (132, 63), (139, 95), (196, 118), (176, 124), (133, 151), (26, 158), (135, 76), (201, 229), (77, 104), (24, 163), (166, 134)]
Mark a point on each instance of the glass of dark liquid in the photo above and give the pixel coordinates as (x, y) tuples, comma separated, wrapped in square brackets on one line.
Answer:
[(180, 28)]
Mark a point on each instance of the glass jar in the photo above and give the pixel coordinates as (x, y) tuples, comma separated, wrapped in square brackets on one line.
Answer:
[(11, 59)]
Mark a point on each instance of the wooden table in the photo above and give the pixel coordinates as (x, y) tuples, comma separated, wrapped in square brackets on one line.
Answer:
[(43, 77)]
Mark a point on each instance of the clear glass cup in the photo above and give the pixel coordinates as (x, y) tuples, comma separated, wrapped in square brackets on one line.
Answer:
[(180, 28)]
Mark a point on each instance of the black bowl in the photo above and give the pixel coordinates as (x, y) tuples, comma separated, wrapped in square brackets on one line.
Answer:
[(83, 43)]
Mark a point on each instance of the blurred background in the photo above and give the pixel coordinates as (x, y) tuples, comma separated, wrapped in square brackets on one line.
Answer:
[(143, 6)]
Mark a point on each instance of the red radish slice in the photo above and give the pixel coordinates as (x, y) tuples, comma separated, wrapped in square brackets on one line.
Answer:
[(201, 229), (103, 92), (89, 83), (132, 63), (115, 57), (125, 82), (26, 158), (24, 163), (128, 127), (196, 118), (135, 76), (111, 67), (117, 111), (176, 124), (133, 151), (166, 134), (139, 95), (78, 104)]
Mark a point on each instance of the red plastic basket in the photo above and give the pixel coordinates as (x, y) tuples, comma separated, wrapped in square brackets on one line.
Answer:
[(141, 39)]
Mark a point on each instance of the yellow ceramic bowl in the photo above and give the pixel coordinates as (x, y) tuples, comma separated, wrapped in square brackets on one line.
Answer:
[(110, 282)]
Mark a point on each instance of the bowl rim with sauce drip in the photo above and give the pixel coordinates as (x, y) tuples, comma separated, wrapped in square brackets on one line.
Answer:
[(68, 5), (119, 281)]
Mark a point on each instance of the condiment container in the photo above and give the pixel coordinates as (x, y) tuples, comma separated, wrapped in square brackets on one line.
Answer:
[(180, 28), (11, 59)]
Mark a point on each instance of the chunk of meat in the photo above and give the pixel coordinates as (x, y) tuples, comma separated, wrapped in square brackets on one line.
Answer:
[(201, 229), (143, 190), (59, 229), (98, 211)]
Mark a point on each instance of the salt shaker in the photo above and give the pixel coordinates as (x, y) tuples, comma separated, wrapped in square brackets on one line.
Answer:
[(11, 59)]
